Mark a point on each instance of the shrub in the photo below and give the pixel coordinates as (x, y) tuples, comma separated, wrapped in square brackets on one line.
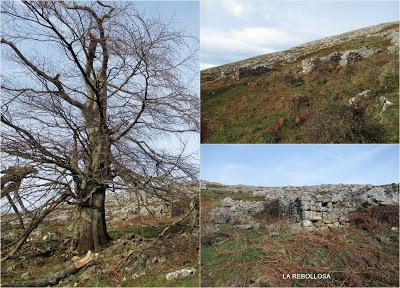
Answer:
[(375, 217)]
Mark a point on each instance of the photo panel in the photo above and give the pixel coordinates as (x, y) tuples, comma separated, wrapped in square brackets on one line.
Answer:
[(100, 143), (299, 215), (299, 72)]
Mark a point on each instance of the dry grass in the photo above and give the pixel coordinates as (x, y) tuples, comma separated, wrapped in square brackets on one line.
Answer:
[(374, 218), (364, 254), (348, 255)]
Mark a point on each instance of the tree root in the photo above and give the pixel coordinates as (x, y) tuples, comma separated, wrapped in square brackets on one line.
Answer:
[(71, 268)]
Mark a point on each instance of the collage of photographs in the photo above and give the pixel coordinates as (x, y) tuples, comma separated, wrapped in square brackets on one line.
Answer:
[(200, 143)]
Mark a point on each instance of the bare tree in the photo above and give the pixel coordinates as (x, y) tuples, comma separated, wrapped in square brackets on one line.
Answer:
[(93, 93)]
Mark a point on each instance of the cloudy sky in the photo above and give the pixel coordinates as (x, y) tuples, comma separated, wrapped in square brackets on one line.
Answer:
[(233, 30), (281, 165)]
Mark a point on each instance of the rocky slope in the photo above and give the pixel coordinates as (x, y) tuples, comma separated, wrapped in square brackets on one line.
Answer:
[(133, 258), (280, 97)]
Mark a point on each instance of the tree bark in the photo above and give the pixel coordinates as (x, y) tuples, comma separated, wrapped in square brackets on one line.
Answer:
[(92, 224), (21, 221)]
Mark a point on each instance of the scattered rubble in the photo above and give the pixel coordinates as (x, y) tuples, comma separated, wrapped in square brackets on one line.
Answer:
[(356, 100)]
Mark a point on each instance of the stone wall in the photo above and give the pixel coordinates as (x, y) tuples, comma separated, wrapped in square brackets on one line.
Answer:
[(311, 206)]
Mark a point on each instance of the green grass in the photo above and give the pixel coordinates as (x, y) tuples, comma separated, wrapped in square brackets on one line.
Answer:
[(230, 259)]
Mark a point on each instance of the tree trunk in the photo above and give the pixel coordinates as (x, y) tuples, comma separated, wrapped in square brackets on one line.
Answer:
[(92, 224)]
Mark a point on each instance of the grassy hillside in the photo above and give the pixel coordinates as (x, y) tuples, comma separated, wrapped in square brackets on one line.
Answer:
[(287, 106)]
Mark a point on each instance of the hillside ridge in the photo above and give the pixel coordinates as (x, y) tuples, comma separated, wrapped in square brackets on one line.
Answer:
[(383, 29)]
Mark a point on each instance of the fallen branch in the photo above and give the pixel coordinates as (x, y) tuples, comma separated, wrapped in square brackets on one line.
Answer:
[(71, 268)]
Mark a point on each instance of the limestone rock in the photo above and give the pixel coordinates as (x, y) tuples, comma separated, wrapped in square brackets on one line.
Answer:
[(222, 216), (182, 273), (308, 64), (349, 57), (393, 49), (51, 236), (306, 223), (254, 226), (227, 202), (326, 205), (311, 215), (385, 103), (356, 100)]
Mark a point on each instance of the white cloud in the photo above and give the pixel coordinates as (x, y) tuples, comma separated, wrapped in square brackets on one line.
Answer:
[(232, 44), (236, 9), (262, 36), (206, 65), (247, 42)]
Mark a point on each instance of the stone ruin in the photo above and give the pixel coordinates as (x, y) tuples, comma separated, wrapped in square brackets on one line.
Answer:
[(341, 58), (324, 206), (246, 71)]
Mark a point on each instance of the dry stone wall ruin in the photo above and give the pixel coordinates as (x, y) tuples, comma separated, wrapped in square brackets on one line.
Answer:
[(322, 206)]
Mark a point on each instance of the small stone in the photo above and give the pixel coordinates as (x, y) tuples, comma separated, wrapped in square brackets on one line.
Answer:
[(244, 226), (50, 236), (26, 275), (393, 50), (138, 275), (162, 259), (306, 223)]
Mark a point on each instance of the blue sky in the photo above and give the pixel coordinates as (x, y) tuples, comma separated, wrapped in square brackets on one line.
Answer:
[(234, 30), (185, 14), (281, 165)]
